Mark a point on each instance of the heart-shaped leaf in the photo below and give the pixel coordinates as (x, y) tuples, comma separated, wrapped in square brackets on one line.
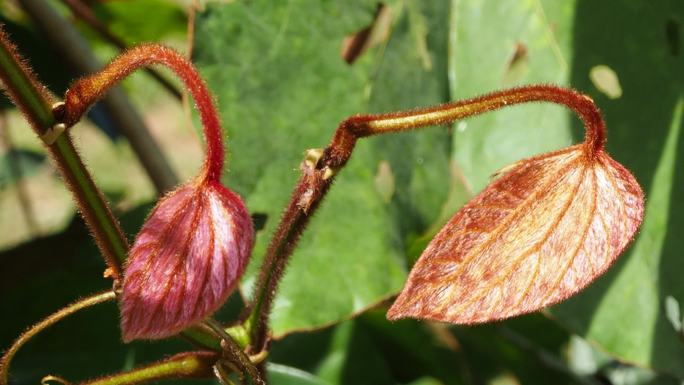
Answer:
[(537, 235)]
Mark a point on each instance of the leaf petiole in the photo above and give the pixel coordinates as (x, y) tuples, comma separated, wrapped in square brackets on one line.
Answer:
[(318, 173)]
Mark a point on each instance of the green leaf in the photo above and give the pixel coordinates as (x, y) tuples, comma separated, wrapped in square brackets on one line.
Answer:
[(370, 350), (27, 161), (354, 358), (524, 350), (142, 20), (283, 89), (585, 359), (425, 381), (286, 375), (414, 350)]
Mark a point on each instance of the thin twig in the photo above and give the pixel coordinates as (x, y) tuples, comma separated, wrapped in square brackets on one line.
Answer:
[(235, 353), (46, 323)]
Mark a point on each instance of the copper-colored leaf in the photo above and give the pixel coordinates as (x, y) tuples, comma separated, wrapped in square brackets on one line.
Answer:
[(537, 235), (186, 260)]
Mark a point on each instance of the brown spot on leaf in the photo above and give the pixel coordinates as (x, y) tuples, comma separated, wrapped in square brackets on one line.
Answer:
[(519, 55), (517, 64), (355, 45)]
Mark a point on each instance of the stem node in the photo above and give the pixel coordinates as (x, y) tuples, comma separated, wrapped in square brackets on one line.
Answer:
[(49, 137)]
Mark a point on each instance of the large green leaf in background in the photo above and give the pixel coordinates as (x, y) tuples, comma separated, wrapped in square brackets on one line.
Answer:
[(370, 350), (285, 375), (283, 87)]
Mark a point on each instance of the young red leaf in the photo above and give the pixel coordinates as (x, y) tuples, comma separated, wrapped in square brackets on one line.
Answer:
[(540, 233), (185, 261), (195, 244)]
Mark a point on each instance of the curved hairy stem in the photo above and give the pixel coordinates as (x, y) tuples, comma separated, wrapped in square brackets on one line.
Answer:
[(74, 52), (319, 170), (46, 323), (85, 13), (86, 91), (36, 105), (339, 150)]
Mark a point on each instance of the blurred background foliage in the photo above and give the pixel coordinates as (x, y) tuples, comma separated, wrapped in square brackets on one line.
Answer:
[(285, 74)]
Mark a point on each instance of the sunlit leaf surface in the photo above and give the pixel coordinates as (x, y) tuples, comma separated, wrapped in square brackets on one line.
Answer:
[(540, 233)]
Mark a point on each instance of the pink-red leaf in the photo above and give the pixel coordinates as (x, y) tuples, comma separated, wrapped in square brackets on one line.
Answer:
[(537, 235), (186, 260)]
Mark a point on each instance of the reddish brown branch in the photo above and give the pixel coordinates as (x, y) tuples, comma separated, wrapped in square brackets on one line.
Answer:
[(318, 174), (83, 93), (86, 14)]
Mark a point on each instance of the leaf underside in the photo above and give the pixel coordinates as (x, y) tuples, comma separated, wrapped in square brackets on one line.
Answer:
[(185, 262), (537, 235)]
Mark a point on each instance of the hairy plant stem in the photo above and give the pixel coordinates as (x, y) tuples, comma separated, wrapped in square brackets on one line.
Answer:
[(74, 51), (318, 173), (36, 105), (84, 92), (46, 323), (84, 12), (183, 365), (234, 353)]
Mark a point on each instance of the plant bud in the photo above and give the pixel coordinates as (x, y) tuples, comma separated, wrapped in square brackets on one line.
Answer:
[(185, 261)]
